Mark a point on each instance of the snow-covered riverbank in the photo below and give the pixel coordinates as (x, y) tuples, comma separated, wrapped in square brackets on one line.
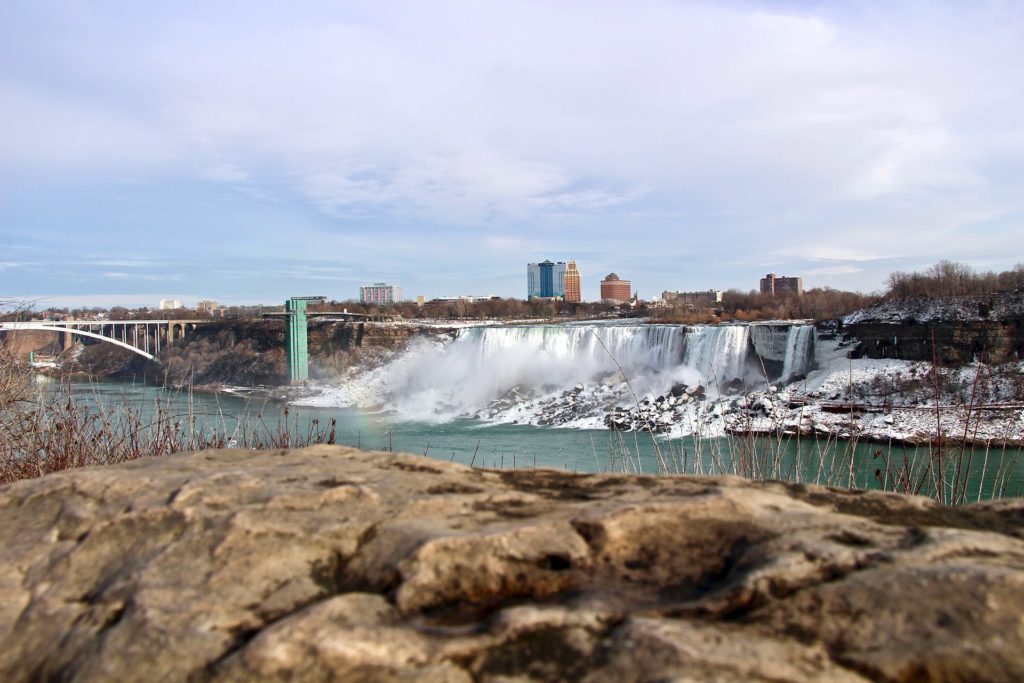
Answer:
[(683, 381)]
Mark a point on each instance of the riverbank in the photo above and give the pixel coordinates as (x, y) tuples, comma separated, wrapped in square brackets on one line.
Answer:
[(885, 401), (834, 396), (108, 422), (673, 380)]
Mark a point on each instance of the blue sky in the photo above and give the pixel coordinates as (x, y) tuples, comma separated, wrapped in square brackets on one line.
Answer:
[(251, 151)]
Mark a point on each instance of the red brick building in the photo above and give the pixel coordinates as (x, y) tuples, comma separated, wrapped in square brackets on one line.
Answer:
[(615, 290), (782, 286)]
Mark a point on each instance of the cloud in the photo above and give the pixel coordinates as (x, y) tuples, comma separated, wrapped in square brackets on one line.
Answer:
[(829, 133), (106, 300), (821, 252), (832, 270), (56, 130), (505, 244), (223, 173), (144, 277), (124, 262)]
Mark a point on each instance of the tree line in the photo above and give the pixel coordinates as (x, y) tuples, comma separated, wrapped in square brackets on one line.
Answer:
[(495, 308), (947, 278)]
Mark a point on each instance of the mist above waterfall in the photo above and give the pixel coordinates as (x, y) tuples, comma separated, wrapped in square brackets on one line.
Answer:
[(432, 380)]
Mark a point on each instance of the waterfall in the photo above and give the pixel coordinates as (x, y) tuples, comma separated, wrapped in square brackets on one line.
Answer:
[(634, 346), (435, 380), (799, 352), (719, 354)]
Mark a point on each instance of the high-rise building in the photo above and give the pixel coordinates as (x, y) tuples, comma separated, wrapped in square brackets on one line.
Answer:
[(545, 280), (380, 293), (782, 286), (615, 290), (572, 283), (207, 306), (169, 304)]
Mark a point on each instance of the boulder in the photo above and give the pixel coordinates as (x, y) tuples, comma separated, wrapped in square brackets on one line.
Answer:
[(733, 386), (613, 379), (329, 563)]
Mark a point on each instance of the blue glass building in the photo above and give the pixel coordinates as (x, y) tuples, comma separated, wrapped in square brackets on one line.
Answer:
[(545, 279)]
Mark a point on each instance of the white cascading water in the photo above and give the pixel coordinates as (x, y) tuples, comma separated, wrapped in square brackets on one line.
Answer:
[(432, 380), (718, 353), (799, 352)]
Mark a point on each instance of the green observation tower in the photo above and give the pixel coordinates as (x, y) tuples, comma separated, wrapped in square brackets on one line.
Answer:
[(295, 336)]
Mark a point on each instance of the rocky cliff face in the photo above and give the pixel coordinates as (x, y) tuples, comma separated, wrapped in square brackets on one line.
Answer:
[(19, 344), (954, 343), (248, 352), (334, 564), (332, 337), (956, 330), (336, 346)]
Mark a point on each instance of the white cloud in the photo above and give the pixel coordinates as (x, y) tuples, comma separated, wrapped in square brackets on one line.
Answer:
[(123, 262), (106, 300), (822, 252), (830, 133), (832, 270), (223, 173), (143, 277), (506, 244), (58, 130)]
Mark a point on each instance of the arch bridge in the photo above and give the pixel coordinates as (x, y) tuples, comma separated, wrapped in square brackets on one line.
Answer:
[(143, 337)]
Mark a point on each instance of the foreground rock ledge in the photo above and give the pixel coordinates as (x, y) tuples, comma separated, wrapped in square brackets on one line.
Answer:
[(329, 563)]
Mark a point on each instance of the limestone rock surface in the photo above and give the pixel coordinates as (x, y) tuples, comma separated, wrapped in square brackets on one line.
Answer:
[(331, 564)]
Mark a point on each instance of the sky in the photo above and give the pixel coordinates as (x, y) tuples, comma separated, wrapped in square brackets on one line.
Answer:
[(248, 151)]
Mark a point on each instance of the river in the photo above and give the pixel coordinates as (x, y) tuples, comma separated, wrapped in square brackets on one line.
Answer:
[(996, 472)]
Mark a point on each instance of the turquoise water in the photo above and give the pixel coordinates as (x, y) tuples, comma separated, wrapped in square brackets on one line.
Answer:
[(997, 472), (464, 441)]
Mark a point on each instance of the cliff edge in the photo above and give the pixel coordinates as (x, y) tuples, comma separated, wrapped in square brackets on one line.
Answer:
[(328, 563)]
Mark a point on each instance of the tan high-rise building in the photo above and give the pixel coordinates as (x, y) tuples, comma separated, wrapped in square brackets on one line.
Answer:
[(572, 283)]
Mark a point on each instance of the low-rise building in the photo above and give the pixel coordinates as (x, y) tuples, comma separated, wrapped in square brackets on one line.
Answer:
[(468, 298), (693, 300)]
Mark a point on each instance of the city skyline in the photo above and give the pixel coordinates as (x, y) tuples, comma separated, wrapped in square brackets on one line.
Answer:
[(248, 153)]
